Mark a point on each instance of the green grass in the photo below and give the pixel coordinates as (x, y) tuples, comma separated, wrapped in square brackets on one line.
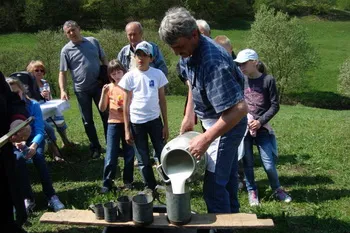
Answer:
[(16, 40), (313, 166)]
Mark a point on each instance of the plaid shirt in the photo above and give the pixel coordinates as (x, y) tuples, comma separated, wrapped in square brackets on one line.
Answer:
[(212, 73), (158, 62)]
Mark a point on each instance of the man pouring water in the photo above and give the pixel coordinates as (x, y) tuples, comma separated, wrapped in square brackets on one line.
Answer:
[(217, 99)]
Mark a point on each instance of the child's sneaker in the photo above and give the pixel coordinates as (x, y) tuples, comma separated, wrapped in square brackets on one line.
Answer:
[(253, 198), (29, 205), (282, 195), (55, 203)]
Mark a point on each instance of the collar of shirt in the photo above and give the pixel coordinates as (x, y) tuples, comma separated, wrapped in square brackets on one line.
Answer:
[(76, 45)]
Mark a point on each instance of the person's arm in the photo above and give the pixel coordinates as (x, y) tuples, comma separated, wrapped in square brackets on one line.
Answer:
[(126, 113), (228, 119), (62, 81), (188, 121), (164, 111), (270, 85), (37, 127), (104, 100)]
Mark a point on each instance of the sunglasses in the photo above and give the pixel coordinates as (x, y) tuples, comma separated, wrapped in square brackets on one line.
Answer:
[(42, 71)]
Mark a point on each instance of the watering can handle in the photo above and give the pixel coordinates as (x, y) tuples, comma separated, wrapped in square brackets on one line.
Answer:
[(160, 172)]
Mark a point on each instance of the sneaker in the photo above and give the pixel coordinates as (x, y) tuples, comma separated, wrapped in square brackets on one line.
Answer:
[(253, 198), (105, 190), (55, 204), (282, 195), (29, 205)]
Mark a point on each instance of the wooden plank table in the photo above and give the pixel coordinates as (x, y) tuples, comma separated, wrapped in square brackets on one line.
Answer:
[(203, 221)]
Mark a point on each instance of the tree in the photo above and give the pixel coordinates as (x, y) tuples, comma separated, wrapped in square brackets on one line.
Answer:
[(283, 45)]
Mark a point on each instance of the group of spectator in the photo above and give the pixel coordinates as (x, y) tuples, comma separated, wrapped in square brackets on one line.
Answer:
[(233, 97)]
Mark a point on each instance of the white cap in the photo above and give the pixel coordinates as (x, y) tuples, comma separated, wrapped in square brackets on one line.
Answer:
[(246, 55), (145, 47)]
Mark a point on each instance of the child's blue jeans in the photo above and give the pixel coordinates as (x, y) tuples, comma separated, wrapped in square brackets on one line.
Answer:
[(267, 146)]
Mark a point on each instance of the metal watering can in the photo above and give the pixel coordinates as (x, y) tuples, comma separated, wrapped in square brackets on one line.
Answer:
[(175, 158)]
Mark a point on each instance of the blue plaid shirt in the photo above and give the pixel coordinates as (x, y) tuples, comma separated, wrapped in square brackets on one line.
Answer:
[(216, 86), (158, 62)]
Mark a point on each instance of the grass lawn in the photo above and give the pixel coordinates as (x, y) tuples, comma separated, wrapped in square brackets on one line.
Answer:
[(313, 167)]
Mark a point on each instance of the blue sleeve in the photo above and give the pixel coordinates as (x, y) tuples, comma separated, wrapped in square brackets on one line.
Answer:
[(38, 124), (159, 61)]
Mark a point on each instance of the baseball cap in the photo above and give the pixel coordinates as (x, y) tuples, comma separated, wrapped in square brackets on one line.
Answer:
[(146, 47), (246, 55)]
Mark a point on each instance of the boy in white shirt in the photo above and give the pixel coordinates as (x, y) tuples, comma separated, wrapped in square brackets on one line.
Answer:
[(144, 101)]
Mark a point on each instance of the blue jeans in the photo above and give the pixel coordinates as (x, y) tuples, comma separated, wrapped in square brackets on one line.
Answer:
[(221, 188), (41, 167), (140, 133), (267, 146), (85, 99), (115, 133)]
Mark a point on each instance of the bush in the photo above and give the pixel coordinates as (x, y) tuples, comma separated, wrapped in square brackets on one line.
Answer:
[(48, 48), (112, 42), (283, 45), (344, 4), (344, 78)]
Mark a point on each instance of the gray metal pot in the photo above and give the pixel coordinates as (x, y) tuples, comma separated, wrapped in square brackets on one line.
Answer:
[(175, 157)]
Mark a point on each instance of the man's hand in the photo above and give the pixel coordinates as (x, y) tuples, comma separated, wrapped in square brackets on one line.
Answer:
[(199, 145), (64, 95), (23, 134)]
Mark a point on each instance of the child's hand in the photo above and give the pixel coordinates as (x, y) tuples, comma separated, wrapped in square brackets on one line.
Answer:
[(128, 137), (254, 125), (20, 145), (165, 133), (105, 88)]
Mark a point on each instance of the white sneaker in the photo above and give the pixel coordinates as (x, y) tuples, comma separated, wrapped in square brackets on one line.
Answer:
[(253, 198), (29, 205), (55, 204)]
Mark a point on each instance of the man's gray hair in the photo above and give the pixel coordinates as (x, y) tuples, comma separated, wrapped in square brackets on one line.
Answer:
[(70, 23), (177, 22), (203, 24), (137, 23)]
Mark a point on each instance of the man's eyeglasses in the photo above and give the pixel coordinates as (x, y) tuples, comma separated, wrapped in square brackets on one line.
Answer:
[(42, 71)]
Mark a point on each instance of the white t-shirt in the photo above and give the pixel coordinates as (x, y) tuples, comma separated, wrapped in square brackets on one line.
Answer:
[(144, 85)]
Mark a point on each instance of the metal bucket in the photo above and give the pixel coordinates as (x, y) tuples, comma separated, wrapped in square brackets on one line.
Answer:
[(175, 157), (178, 206), (142, 209)]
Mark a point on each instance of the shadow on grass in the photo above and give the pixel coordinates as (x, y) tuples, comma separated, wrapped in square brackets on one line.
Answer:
[(317, 195), (292, 158), (318, 99), (305, 180)]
